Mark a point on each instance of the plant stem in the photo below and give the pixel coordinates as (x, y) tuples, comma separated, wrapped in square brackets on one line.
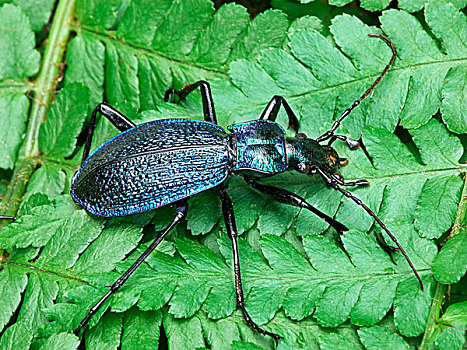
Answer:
[(47, 79), (44, 94), (440, 291), (435, 311)]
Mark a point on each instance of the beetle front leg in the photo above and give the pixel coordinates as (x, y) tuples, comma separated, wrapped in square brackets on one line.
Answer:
[(339, 179), (290, 198), (227, 210), (353, 144), (182, 207), (272, 109), (121, 122), (206, 97)]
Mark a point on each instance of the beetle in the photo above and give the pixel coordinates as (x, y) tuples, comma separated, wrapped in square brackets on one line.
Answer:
[(165, 162)]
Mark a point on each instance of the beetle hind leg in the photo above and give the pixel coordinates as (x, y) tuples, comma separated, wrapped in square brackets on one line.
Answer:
[(206, 96), (121, 122), (227, 210), (180, 214)]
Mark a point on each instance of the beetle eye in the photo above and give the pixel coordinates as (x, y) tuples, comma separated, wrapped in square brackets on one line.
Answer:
[(303, 168), (301, 134)]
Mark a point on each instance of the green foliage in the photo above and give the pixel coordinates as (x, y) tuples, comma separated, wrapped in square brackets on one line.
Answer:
[(378, 5), (317, 289)]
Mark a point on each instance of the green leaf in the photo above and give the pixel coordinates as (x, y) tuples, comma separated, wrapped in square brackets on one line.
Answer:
[(456, 314), (141, 330), (106, 334), (18, 57), (84, 54), (455, 99), (204, 213), (373, 337), (38, 11), (18, 335), (12, 285), (183, 333), (451, 338), (57, 138), (416, 5), (411, 308), (13, 116), (451, 263), (59, 259), (49, 179), (61, 341), (437, 205), (43, 222)]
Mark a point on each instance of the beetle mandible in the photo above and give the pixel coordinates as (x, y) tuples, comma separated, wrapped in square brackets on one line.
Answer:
[(167, 161)]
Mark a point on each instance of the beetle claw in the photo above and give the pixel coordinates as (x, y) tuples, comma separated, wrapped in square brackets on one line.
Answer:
[(353, 144), (343, 161)]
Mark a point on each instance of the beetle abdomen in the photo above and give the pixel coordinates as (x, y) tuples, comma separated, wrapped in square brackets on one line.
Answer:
[(152, 165)]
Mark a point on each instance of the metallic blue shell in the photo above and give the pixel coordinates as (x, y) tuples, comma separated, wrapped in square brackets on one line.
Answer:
[(151, 165), (260, 146)]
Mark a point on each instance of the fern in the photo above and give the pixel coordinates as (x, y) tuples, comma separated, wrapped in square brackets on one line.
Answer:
[(302, 280), (378, 5)]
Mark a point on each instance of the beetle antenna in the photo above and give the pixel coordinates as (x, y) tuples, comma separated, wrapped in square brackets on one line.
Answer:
[(328, 134), (357, 200)]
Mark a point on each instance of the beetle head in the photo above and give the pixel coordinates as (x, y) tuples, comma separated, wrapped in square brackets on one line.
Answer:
[(305, 154)]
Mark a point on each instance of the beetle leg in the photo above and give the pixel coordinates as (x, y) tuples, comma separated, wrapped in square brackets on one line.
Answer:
[(3, 217), (288, 197), (271, 110), (121, 122), (340, 180), (206, 96), (353, 144), (228, 212), (182, 207)]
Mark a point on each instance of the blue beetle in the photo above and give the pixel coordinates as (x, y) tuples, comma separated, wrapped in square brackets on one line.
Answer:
[(167, 161)]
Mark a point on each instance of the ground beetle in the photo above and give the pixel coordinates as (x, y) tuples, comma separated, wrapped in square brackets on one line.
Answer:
[(167, 161)]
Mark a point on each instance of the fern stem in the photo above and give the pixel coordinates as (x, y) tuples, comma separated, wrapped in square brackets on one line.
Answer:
[(44, 94), (441, 289), (47, 79), (435, 311)]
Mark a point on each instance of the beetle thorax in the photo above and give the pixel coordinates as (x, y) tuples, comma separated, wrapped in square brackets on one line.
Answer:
[(304, 154)]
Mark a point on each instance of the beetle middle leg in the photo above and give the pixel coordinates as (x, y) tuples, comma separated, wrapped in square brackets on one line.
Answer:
[(272, 109), (121, 122), (182, 207), (228, 212), (288, 197), (206, 97)]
